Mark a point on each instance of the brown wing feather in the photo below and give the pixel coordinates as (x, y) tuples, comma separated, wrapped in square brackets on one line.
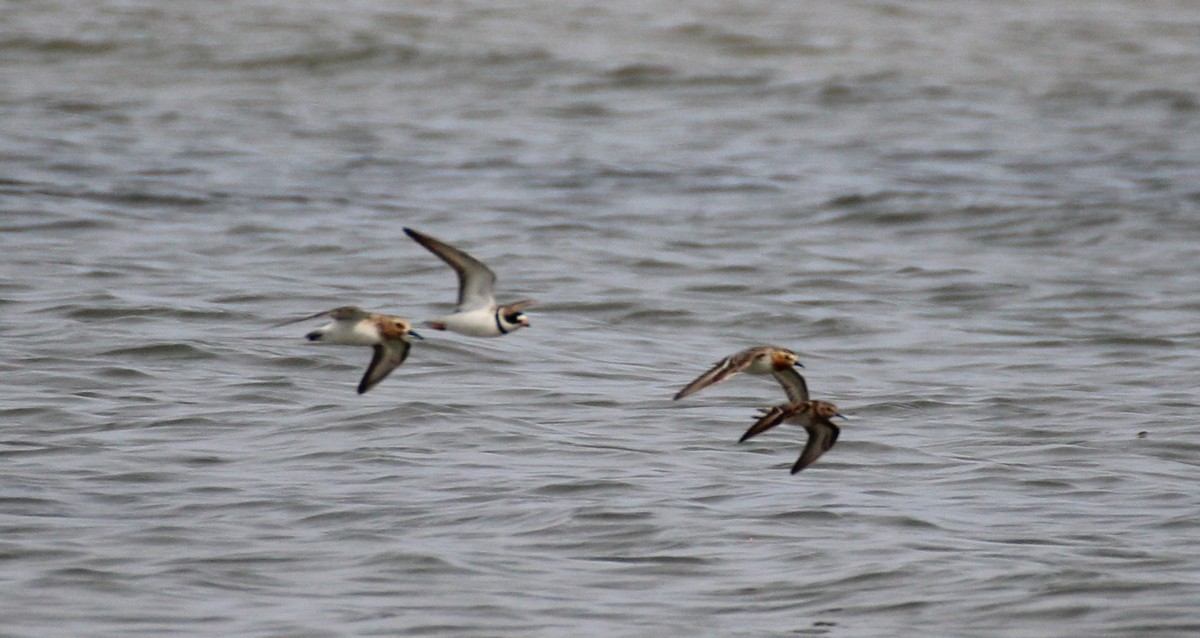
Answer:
[(387, 357), (769, 419), (340, 313), (821, 437), (723, 369)]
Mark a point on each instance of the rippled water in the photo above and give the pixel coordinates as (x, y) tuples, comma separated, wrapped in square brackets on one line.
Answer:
[(979, 224)]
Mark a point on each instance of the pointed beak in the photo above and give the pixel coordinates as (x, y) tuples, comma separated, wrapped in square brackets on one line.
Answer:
[(413, 333), (839, 414)]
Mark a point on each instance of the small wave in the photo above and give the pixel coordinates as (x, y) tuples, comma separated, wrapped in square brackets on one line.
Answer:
[(172, 351)]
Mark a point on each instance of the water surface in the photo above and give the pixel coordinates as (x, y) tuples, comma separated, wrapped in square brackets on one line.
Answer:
[(977, 222)]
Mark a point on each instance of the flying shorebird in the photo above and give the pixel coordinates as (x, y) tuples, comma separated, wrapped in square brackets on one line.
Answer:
[(353, 326), (813, 416), (778, 362), (477, 313)]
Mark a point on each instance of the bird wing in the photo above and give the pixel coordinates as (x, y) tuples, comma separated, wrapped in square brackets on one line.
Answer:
[(770, 418), (793, 384), (475, 280), (340, 313), (721, 371), (387, 357), (821, 437)]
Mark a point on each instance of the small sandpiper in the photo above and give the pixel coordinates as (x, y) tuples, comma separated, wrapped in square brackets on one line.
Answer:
[(813, 416), (477, 313), (777, 362), (353, 326)]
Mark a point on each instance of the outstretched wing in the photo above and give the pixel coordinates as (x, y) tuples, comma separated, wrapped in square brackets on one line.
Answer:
[(793, 384), (770, 418), (340, 313), (475, 280), (821, 436), (387, 357), (723, 369)]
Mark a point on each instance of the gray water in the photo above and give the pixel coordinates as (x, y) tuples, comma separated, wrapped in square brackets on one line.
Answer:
[(977, 222)]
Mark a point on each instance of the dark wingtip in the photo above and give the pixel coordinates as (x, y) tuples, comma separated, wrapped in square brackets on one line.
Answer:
[(315, 335), (686, 391)]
